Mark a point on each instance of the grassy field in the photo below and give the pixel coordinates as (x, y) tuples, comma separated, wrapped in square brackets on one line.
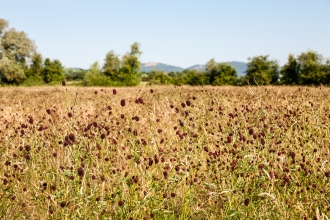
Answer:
[(165, 153)]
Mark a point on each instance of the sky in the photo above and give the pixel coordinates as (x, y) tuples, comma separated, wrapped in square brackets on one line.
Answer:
[(175, 32)]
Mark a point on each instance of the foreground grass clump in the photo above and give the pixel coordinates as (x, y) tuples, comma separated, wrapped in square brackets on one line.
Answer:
[(165, 153)]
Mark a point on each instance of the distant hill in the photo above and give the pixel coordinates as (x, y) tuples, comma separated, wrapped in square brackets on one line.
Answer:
[(240, 67), (148, 67), (198, 67), (72, 69)]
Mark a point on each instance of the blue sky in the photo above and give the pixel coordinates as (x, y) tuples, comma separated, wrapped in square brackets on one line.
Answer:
[(180, 32)]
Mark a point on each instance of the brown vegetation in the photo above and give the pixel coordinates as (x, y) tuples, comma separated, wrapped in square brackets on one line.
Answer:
[(165, 152)]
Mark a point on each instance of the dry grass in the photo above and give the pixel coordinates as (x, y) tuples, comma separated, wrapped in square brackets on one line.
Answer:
[(178, 153)]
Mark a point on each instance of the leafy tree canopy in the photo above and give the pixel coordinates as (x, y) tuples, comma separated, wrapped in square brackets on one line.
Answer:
[(16, 50), (111, 65), (310, 69), (220, 73), (262, 70), (130, 66), (290, 71), (53, 71), (157, 77), (10, 72)]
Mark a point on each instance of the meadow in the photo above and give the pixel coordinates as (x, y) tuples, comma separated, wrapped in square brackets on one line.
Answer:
[(165, 152)]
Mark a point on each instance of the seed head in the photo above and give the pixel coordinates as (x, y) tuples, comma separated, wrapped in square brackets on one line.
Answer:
[(27, 147), (246, 201), (72, 137), (63, 204), (81, 171)]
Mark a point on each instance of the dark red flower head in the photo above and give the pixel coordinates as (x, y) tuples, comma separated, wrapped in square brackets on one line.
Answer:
[(122, 102)]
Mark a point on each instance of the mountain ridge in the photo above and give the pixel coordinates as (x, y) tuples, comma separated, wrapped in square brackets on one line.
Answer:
[(150, 66)]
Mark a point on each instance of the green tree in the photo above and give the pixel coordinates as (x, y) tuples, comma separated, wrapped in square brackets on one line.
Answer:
[(11, 72), (36, 66), (290, 71), (193, 78), (220, 73), (131, 66), (210, 65), (53, 71), (95, 77), (157, 77), (135, 49), (16, 50), (74, 73), (111, 66), (17, 46), (262, 70), (34, 71), (177, 78), (311, 71), (326, 69)]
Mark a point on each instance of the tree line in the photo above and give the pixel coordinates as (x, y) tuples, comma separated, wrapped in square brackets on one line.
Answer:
[(308, 68), (21, 64)]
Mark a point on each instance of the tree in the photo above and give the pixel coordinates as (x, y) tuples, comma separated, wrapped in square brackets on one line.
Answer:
[(210, 65), (194, 78), (123, 72), (53, 71), (95, 77), (3, 26), (131, 66), (10, 72), (16, 50), (311, 68), (177, 78), (36, 67), (135, 49), (220, 73), (157, 77), (74, 73), (34, 71), (290, 71), (17, 46), (326, 69), (262, 70), (111, 66)]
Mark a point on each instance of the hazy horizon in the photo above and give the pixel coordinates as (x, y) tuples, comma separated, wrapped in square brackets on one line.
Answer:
[(178, 33)]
